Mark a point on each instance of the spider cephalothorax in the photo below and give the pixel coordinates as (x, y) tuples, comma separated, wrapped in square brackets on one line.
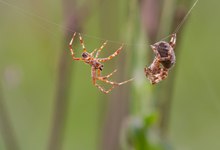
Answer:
[(96, 64), (163, 61), (85, 55)]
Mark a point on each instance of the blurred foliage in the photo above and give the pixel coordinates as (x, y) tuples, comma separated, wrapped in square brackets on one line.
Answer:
[(137, 133), (32, 40)]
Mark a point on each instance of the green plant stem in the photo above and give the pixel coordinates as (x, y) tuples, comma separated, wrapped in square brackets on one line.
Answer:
[(6, 127), (73, 20), (164, 92), (119, 99)]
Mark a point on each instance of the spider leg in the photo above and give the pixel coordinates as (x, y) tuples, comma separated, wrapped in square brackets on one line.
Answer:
[(104, 78), (107, 81), (161, 76), (126, 81), (103, 90), (154, 67), (173, 40), (92, 53), (98, 52), (109, 75), (155, 73), (93, 73), (155, 78), (99, 73), (71, 48), (111, 56), (82, 43), (113, 83), (149, 74), (154, 49)]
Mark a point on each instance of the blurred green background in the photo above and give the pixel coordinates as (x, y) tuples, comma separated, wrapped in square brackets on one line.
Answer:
[(47, 101)]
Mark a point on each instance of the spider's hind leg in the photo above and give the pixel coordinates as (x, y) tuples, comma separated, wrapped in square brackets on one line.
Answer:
[(114, 84), (107, 76), (161, 76), (94, 78), (104, 79), (103, 90)]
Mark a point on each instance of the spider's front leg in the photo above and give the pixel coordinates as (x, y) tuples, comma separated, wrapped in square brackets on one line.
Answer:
[(71, 48), (82, 43), (92, 53), (173, 40), (111, 56), (100, 49)]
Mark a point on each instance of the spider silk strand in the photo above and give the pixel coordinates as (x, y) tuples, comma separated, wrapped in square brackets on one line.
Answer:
[(186, 16), (30, 14), (183, 20), (33, 15)]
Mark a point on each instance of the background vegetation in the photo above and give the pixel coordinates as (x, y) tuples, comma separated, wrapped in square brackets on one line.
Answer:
[(47, 101)]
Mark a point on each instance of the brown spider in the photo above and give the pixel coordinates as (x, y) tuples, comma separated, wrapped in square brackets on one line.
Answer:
[(96, 64), (163, 61)]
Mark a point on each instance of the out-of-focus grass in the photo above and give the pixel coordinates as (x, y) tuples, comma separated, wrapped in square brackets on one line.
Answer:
[(196, 105), (27, 79)]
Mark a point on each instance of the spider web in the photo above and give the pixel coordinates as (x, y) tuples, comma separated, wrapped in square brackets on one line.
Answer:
[(64, 28), (34, 16)]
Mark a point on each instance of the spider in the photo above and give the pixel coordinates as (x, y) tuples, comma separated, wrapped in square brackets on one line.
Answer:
[(96, 64), (163, 61)]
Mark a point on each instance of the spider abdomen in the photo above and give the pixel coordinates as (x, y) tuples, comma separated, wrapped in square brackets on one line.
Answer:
[(164, 49), (167, 64), (97, 64)]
